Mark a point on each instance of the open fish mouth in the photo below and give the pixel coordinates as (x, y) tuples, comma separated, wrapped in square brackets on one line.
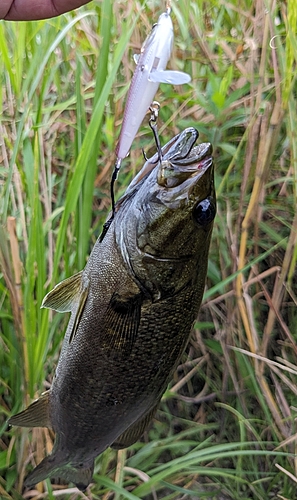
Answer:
[(179, 156), (184, 160), (182, 150), (182, 164), (200, 157)]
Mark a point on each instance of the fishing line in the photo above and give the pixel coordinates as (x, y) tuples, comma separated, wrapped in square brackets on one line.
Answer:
[(154, 108), (113, 179)]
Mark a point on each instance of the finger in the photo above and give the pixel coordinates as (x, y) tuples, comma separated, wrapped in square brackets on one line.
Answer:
[(25, 10), (4, 8)]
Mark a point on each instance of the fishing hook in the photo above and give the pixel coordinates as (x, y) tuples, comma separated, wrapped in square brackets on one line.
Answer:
[(144, 154), (154, 108)]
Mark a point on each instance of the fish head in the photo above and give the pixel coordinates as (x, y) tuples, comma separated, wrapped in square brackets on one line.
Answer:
[(164, 224)]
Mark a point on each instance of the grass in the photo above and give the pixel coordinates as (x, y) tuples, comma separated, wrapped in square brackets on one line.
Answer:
[(226, 425)]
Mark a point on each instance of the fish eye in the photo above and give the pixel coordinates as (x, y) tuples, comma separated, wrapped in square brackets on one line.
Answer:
[(205, 211)]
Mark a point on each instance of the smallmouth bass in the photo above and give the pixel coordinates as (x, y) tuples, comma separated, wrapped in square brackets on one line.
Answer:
[(132, 309)]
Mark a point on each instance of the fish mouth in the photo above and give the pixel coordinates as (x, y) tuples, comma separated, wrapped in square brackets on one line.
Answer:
[(181, 160), (174, 171), (199, 153), (200, 157)]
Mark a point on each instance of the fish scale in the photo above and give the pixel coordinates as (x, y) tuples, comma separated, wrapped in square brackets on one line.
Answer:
[(131, 314)]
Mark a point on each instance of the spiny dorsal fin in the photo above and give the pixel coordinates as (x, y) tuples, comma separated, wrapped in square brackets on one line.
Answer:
[(62, 297), (36, 415)]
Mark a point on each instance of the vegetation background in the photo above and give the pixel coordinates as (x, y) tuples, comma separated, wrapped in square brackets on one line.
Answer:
[(226, 428)]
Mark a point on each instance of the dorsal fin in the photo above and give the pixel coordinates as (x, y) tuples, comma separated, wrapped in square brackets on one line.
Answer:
[(36, 415)]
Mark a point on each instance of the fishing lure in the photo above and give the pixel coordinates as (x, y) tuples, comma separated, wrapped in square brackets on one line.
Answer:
[(150, 71)]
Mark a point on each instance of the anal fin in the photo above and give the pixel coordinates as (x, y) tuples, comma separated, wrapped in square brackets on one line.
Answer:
[(36, 415), (135, 431)]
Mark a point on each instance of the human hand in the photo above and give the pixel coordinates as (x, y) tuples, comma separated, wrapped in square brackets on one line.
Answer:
[(31, 10)]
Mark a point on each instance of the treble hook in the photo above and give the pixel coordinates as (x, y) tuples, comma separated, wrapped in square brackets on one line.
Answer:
[(154, 108)]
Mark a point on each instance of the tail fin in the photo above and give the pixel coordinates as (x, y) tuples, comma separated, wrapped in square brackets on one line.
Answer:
[(49, 467)]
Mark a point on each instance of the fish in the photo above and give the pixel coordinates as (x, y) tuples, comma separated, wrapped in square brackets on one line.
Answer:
[(132, 309), (149, 73)]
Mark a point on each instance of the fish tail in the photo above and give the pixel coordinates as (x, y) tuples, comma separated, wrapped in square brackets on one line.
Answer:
[(46, 468), (49, 467)]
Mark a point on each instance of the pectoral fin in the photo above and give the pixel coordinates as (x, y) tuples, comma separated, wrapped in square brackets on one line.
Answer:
[(36, 415), (80, 307), (121, 322), (169, 76), (135, 431), (62, 297), (69, 295)]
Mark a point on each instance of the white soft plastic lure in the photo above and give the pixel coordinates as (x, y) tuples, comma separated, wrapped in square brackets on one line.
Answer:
[(150, 71)]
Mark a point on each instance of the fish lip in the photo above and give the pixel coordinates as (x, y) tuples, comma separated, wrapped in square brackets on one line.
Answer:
[(205, 163), (205, 157), (197, 155), (206, 150), (175, 171)]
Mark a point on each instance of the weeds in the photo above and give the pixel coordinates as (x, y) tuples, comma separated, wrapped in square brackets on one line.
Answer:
[(226, 426)]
